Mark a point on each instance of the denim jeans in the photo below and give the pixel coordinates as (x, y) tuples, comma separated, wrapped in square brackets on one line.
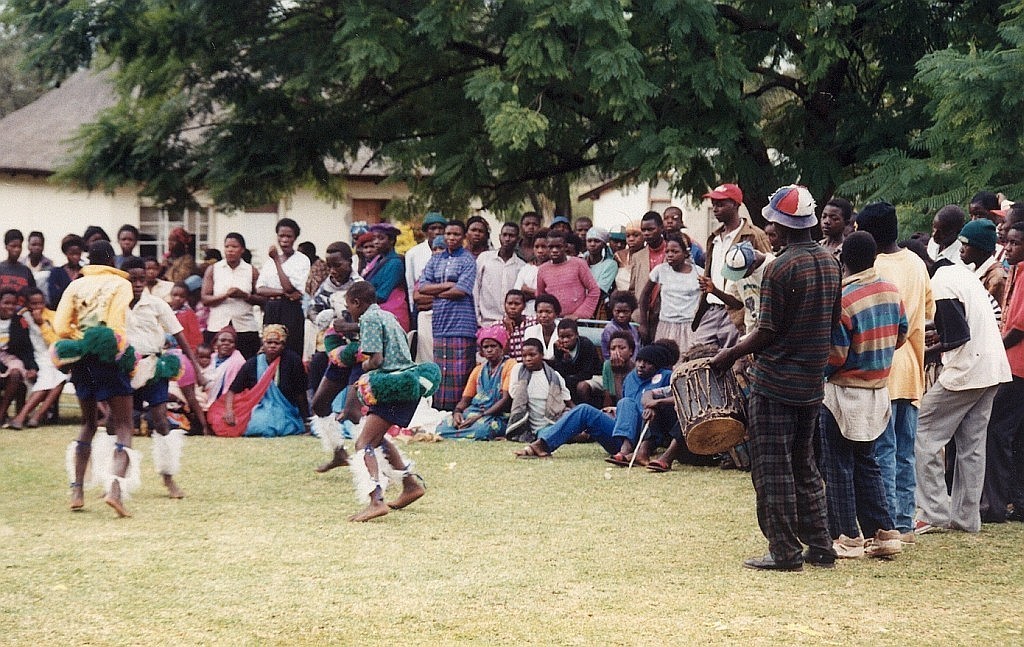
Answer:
[(853, 484), (894, 451), (583, 417)]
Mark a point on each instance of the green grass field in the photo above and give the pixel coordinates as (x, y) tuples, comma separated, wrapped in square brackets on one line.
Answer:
[(500, 551)]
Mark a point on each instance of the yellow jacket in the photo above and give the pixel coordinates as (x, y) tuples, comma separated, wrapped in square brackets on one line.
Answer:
[(102, 294)]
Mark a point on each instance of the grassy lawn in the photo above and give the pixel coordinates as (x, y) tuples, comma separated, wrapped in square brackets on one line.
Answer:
[(500, 551)]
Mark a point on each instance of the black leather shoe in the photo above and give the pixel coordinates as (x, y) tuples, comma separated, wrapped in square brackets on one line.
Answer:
[(820, 558), (1016, 515), (768, 563)]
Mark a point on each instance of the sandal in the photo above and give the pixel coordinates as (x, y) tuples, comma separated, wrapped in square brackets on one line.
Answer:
[(659, 466), (529, 452), (619, 459)]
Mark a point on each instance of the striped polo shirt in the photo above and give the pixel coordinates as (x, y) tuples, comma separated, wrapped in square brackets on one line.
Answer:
[(872, 325)]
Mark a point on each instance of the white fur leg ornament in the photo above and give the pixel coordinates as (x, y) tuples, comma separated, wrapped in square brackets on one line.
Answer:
[(364, 483), (396, 475), (132, 479), (167, 452), (101, 456), (328, 429)]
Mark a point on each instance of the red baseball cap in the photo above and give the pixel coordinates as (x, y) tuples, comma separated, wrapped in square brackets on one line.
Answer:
[(726, 192)]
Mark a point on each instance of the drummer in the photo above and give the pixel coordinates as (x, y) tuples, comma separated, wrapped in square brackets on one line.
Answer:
[(799, 302), (617, 429)]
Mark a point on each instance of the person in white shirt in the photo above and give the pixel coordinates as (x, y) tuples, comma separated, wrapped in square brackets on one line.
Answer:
[(945, 241), (148, 321), (959, 404), (415, 262), (229, 291), (496, 274), (281, 283)]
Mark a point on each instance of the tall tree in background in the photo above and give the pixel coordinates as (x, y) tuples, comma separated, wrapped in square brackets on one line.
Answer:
[(975, 135), (500, 99), (18, 86)]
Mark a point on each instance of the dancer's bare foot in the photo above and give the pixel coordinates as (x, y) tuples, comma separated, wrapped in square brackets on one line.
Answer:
[(77, 498), (340, 459), (372, 511), (412, 489), (173, 490), (113, 499)]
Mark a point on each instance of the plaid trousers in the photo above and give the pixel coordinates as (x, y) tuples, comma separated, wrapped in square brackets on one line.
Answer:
[(791, 506), (853, 483)]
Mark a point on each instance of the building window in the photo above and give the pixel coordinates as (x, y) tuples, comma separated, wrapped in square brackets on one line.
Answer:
[(155, 224)]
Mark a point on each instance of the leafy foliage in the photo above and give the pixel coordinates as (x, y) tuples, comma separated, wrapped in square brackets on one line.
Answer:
[(972, 141), (502, 99)]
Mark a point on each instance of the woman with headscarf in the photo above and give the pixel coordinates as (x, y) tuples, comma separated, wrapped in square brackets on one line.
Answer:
[(482, 414), (268, 396), (225, 365), (180, 262), (366, 250), (387, 274)]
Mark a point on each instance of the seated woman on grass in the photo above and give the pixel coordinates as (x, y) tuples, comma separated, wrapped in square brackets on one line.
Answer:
[(274, 383), (482, 413), (49, 380), (17, 362), (617, 428)]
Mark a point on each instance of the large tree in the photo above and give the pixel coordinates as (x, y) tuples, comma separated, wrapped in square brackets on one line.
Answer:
[(974, 135), (504, 100)]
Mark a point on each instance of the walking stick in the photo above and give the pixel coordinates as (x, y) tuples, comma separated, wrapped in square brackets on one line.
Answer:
[(643, 432)]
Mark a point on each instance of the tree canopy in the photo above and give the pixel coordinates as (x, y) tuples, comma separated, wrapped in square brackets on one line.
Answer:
[(500, 99), (972, 140)]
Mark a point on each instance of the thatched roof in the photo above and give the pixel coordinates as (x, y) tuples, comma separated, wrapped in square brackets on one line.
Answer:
[(36, 139)]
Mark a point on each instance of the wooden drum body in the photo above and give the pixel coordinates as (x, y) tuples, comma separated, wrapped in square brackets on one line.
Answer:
[(710, 407)]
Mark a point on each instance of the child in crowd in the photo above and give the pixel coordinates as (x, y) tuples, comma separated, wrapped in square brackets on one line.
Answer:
[(604, 390), (49, 381), (154, 284), (516, 323), (743, 270), (548, 312), (678, 280), (576, 359), (539, 395), (482, 414), (622, 304), (527, 279), (17, 362), (193, 334)]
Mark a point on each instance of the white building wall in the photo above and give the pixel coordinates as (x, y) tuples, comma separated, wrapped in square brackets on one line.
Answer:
[(615, 207), (35, 204)]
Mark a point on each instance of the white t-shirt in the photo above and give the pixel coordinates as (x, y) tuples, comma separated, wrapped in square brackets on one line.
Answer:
[(680, 293)]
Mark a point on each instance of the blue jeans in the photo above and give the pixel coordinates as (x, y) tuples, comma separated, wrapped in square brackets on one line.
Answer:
[(853, 484), (894, 451), (607, 432)]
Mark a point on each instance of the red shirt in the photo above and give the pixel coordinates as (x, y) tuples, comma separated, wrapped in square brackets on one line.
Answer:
[(1013, 319)]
